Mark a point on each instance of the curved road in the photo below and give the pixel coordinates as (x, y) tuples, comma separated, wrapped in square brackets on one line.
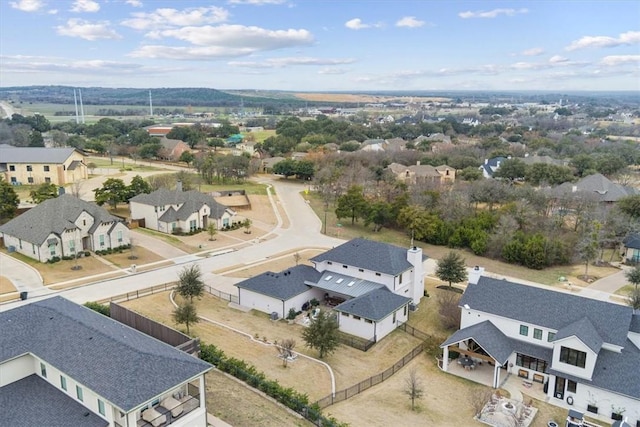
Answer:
[(303, 231)]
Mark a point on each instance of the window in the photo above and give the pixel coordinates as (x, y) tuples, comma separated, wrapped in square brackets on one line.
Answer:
[(33, 247), (47, 180), (361, 270), (79, 393), (400, 279), (329, 262), (192, 225), (551, 336), (12, 168), (119, 234), (537, 333), (532, 363), (52, 249), (14, 180), (524, 330), (571, 386), (345, 314), (72, 246), (30, 180), (101, 407), (405, 310), (46, 168), (573, 357), (394, 317), (63, 383), (101, 238), (43, 370), (29, 168)]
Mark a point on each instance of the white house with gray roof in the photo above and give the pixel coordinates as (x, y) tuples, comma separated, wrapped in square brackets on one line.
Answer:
[(62, 227), (586, 351), (38, 165), (62, 364), (370, 284), (169, 211)]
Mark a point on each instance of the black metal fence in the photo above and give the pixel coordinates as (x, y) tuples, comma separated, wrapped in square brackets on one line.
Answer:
[(415, 332), (222, 295), (369, 382), (355, 342)]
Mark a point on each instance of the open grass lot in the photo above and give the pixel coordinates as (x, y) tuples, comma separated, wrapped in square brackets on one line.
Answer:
[(105, 163), (61, 271), (343, 229), (6, 286), (260, 135), (143, 256)]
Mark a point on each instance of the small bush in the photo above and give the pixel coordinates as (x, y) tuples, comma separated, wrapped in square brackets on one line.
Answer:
[(100, 308), (292, 314)]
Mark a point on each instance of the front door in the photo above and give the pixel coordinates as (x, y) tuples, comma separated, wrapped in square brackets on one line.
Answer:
[(559, 390)]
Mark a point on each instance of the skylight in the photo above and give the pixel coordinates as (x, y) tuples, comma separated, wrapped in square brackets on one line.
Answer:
[(328, 278), (340, 280), (351, 283)]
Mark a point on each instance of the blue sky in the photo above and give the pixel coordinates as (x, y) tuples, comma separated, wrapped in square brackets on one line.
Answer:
[(322, 45)]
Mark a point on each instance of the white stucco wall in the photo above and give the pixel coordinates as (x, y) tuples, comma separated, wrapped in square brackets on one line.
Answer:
[(16, 369), (139, 211), (378, 330), (261, 302)]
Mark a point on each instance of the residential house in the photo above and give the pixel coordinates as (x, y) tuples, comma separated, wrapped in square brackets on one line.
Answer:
[(172, 149), (370, 285), (631, 248), (170, 211), (530, 160), (62, 364), (419, 173), (585, 351), (266, 165), (248, 147), (63, 227), (37, 165), (490, 166), (596, 187), (158, 130), (373, 145), (396, 144)]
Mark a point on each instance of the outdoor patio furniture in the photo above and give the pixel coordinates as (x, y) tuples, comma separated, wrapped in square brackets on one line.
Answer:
[(154, 417), (467, 363), (172, 405)]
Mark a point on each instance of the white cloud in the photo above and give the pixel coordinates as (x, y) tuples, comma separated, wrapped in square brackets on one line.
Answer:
[(224, 41), (257, 2), (357, 24), (27, 5), (534, 51), (167, 17), (289, 61), (87, 30), (492, 13), (88, 6), (557, 59), (333, 71), (628, 38), (134, 3), (614, 60), (410, 22)]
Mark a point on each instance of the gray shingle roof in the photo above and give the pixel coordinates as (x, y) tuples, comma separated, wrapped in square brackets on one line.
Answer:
[(584, 331), (369, 255), (632, 241), (548, 308), (635, 323), (10, 154), (193, 200), (497, 344), (32, 401), (597, 186), (374, 305), (96, 351), (284, 285), (54, 216)]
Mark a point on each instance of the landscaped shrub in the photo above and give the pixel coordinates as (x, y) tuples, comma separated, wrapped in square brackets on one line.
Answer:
[(100, 308), (289, 397)]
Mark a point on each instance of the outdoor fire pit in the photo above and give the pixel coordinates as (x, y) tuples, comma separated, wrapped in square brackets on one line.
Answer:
[(509, 407)]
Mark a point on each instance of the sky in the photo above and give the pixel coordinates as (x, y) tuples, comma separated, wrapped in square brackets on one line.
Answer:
[(322, 45)]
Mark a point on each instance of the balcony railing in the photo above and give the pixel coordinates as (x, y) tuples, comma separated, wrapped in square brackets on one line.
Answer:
[(160, 415)]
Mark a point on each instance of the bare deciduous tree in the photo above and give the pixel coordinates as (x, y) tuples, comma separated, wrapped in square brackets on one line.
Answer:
[(478, 399), (413, 387), (448, 309), (285, 350), (296, 257)]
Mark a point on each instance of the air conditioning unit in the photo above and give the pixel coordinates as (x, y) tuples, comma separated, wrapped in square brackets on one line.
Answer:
[(413, 307)]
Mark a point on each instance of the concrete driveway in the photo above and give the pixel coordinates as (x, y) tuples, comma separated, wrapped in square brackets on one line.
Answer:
[(603, 288), (155, 245), (23, 276)]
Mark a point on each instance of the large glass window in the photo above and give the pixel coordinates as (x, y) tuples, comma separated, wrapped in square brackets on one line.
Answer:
[(573, 357), (532, 363), (571, 386), (524, 330)]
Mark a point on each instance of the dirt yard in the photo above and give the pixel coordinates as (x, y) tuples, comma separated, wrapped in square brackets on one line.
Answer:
[(6, 286)]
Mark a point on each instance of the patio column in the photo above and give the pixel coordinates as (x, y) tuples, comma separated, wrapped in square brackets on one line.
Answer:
[(496, 374), (445, 359), (203, 390)]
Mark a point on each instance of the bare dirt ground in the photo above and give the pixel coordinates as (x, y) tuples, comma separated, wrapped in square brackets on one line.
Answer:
[(347, 97), (6, 286)]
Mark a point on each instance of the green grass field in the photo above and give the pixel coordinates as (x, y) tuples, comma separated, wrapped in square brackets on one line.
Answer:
[(260, 135)]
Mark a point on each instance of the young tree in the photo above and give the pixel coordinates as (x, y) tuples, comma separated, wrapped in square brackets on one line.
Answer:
[(91, 166), (448, 309), (296, 257), (247, 226), (413, 387), (634, 299), (285, 350), (187, 157), (190, 283), (451, 268), (9, 201), (633, 276), (113, 191), (322, 334), (211, 231), (185, 314), (588, 247), (352, 205), (44, 192)]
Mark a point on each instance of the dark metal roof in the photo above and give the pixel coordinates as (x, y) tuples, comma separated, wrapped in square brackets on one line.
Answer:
[(32, 401), (345, 285), (368, 255), (11, 154), (124, 366), (374, 305), (284, 285)]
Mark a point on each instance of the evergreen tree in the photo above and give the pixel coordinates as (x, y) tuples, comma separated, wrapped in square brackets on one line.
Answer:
[(322, 333), (451, 268)]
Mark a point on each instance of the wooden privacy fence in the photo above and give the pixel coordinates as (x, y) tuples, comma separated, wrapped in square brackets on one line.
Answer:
[(369, 382)]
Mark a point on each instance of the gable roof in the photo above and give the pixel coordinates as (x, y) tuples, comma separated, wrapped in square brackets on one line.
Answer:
[(189, 201), (11, 154), (54, 216), (96, 351), (584, 331), (487, 336), (491, 165), (599, 187), (284, 285), (374, 305), (552, 309), (31, 401), (369, 255)]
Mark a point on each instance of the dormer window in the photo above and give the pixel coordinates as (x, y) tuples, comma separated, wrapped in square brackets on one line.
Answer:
[(573, 357)]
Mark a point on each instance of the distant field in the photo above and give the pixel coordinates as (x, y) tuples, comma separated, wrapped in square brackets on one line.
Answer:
[(261, 135)]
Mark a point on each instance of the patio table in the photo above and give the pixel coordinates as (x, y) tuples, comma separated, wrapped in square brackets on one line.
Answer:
[(467, 362)]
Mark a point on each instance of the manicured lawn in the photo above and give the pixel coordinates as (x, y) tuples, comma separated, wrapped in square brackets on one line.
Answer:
[(249, 187), (105, 163), (143, 256)]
